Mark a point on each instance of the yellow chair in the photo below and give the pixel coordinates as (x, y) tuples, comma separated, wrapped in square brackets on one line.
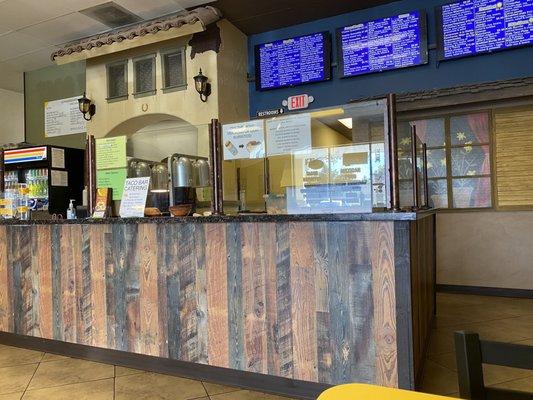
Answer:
[(356, 391)]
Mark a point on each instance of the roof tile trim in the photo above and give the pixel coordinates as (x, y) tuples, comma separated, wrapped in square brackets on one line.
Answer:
[(205, 15)]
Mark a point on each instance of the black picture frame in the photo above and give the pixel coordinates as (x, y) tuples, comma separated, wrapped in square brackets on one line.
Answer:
[(326, 37), (440, 39), (424, 48)]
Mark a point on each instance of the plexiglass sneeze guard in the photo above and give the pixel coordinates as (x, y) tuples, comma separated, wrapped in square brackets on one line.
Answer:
[(331, 160)]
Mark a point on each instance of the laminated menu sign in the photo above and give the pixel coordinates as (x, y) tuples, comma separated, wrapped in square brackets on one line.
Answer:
[(286, 135), (63, 117), (113, 179), (134, 197), (244, 140), (111, 152)]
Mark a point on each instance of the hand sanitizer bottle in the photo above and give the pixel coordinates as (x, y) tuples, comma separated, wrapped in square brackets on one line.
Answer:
[(71, 211)]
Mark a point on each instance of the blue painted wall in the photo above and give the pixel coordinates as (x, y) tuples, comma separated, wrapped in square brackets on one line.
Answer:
[(498, 66)]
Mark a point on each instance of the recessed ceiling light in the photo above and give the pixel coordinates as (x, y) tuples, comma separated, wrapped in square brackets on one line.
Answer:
[(347, 122)]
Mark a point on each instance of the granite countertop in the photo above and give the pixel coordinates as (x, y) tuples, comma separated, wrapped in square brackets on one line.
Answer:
[(381, 216)]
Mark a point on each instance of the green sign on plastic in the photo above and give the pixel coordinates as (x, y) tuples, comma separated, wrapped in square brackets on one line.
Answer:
[(111, 153), (112, 178)]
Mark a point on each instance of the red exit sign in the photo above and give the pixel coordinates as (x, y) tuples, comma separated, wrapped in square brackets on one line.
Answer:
[(298, 102)]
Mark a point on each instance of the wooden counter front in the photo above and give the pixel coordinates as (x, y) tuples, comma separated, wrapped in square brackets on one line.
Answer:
[(308, 301)]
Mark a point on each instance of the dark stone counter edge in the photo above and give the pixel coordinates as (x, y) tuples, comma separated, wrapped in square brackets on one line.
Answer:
[(382, 216)]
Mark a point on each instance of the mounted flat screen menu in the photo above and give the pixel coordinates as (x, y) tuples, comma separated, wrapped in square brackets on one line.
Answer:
[(471, 27), (383, 44), (294, 61)]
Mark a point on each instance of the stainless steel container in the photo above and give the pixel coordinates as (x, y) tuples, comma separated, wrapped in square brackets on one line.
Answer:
[(182, 172), (201, 173)]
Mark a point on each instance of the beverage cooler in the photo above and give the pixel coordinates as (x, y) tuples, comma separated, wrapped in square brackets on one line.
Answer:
[(53, 175)]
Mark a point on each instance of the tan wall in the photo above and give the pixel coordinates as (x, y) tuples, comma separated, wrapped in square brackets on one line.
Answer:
[(492, 249), (128, 116), (11, 117)]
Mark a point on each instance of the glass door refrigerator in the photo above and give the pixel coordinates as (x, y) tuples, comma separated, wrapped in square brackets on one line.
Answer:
[(53, 175)]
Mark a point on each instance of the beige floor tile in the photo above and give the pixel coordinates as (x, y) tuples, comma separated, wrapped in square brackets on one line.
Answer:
[(214, 388), (246, 395), (16, 379), (95, 390), (441, 341), (446, 360), (494, 374), (524, 385), (53, 357), (71, 370), (10, 356), (438, 379), (527, 342), (11, 396), (123, 371), (155, 386), (491, 373)]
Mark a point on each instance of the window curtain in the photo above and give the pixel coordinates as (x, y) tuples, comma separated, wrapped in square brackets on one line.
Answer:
[(479, 125)]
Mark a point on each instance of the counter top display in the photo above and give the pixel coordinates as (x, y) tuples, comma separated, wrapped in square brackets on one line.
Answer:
[(378, 216)]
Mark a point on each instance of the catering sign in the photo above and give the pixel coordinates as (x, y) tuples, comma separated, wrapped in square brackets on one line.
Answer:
[(134, 197)]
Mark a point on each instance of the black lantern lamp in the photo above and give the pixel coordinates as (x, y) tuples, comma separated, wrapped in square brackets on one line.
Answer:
[(86, 107), (202, 86)]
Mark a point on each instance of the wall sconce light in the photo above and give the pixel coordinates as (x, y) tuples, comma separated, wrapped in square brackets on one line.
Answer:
[(202, 86), (86, 107)]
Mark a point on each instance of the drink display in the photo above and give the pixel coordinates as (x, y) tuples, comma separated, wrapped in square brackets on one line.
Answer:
[(35, 187), (37, 180)]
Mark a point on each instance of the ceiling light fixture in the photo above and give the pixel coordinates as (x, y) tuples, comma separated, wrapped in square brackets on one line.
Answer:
[(347, 122)]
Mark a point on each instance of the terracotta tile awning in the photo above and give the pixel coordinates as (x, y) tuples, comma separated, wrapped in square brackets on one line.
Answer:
[(203, 15)]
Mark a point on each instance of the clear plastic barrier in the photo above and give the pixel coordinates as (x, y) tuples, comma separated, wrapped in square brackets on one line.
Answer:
[(326, 161)]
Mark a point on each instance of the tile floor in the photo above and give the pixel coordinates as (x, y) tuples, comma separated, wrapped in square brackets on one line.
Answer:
[(494, 318), (32, 375)]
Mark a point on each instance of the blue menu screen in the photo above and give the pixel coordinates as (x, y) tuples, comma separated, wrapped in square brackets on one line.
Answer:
[(383, 44), (480, 26), (293, 61)]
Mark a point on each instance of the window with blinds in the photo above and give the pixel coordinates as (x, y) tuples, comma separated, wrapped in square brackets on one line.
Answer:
[(513, 132)]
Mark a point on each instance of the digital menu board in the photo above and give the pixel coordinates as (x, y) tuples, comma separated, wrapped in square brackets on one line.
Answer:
[(293, 61), (383, 44), (470, 27)]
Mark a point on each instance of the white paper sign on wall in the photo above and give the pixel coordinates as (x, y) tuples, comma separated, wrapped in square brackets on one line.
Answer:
[(286, 135), (134, 197), (63, 117), (244, 140)]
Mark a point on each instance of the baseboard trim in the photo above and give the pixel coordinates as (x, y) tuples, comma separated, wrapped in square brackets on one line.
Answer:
[(486, 291), (224, 376)]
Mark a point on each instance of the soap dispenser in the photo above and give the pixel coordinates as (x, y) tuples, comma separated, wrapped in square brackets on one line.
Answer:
[(71, 211)]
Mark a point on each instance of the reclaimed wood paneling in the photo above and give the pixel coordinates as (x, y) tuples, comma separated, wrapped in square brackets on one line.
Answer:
[(217, 294), (6, 296), (423, 271), (311, 301), (384, 296)]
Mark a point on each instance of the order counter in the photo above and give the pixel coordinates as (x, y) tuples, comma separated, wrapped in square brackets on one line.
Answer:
[(285, 304)]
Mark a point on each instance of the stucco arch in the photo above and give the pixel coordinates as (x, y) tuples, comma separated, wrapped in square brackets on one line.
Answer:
[(134, 124)]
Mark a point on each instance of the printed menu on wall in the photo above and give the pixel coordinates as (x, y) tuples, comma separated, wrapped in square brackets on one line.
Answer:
[(286, 135), (63, 117), (244, 140)]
